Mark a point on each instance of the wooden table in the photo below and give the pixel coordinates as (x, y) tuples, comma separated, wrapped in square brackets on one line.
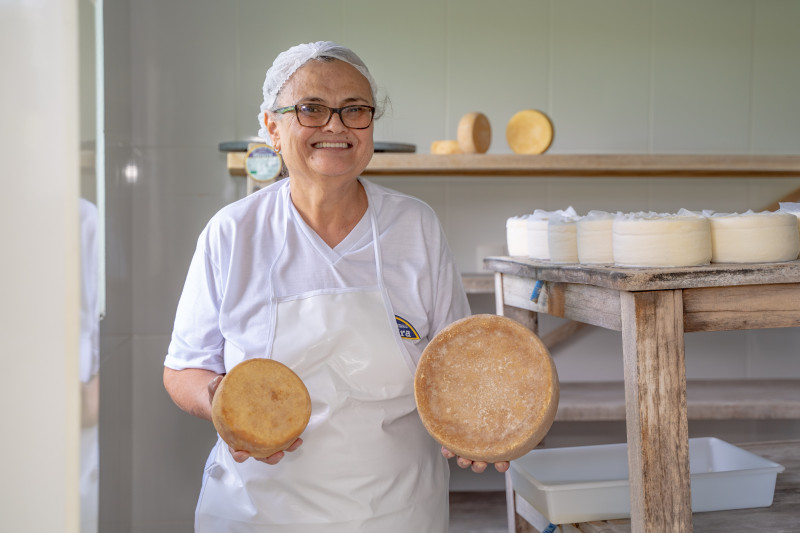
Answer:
[(653, 308)]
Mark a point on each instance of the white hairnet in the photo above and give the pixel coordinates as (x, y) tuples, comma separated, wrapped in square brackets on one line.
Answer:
[(295, 57)]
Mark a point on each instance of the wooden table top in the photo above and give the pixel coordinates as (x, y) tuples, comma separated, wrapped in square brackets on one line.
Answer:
[(648, 278)]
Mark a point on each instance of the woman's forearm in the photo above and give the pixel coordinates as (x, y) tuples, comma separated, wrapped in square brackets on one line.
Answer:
[(189, 389)]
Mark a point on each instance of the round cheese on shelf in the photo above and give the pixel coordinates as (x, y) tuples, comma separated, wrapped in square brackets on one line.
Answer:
[(261, 406), (474, 133), (486, 388), (594, 238), (445, 147), (766, 237), (529, 132), (661, 240), (517, 236)]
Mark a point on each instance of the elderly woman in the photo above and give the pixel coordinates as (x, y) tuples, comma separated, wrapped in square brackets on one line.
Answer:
[(343, 281)]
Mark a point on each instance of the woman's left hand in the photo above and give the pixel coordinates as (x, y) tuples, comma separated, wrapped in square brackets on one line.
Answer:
[(476, 466)]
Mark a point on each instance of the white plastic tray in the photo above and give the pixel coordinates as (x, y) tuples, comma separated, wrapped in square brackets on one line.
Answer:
[(587, 483)]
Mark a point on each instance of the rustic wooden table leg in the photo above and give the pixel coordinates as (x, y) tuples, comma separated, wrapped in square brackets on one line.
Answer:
[(529, 319), (655, 404)]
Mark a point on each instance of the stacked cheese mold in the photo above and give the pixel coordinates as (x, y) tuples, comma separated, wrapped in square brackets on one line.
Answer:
[(517, 235), (765, 237), (661, 240), (792, 208), (650, 239), (594, 238), (538, 224), (562, 238)]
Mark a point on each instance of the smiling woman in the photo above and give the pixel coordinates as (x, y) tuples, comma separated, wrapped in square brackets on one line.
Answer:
[(320, 272), (324, 155)]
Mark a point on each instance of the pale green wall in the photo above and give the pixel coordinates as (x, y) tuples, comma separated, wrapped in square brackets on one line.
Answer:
[(615, 76)]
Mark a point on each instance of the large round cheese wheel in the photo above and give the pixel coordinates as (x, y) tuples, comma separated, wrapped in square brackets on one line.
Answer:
[(261, 406), (474, 133), (766, 237), (661, 241), (529, 132), (486, 388)]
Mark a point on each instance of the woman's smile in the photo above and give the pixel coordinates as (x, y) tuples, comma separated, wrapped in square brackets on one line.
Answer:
[(329, 144)]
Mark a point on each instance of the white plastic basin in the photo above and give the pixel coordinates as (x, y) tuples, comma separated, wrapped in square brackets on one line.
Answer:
[(586, 483)]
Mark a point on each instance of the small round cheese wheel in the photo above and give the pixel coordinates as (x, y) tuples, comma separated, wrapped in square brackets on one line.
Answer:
[(486, 388), (661, 241), (766, 237), (474, 133), (261, 406), (529, 132), (445, 147)]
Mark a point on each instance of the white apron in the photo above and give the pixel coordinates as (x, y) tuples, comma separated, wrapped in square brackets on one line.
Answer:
[(366, 463)]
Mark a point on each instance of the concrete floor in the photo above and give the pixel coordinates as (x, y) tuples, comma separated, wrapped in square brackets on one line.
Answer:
[(478, 512)]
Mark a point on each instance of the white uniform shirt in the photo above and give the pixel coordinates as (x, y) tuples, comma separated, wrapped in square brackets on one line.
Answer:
[(224, 314)]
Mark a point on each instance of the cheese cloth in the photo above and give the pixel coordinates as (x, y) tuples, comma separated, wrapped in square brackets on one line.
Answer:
[(295, 57)]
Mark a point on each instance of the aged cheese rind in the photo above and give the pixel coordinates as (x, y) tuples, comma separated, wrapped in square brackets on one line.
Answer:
[(486, 388), (261, 406)]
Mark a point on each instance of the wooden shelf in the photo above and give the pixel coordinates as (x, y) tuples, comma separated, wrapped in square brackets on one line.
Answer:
[(605, 165), (742, 399)]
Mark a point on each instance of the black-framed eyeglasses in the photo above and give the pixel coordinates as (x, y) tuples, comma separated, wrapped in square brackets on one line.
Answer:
[(357, 117)]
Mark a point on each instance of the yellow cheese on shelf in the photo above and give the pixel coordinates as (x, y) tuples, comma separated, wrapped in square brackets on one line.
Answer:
[(474, 133), (445, 147), (529, 132)]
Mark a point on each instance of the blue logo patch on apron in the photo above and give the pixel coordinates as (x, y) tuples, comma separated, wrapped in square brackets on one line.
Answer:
[(407, 331)]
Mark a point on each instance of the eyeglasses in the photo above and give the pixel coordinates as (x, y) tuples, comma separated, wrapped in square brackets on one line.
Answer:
[(357, 117)]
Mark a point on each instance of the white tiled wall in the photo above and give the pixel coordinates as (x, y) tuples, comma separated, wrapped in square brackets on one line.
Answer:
[(618, 76)]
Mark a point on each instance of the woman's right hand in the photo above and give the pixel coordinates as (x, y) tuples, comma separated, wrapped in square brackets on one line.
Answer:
[(212, 387), (241, 456)]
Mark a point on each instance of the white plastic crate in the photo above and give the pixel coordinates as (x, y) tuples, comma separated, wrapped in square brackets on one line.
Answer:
[(586, 483)]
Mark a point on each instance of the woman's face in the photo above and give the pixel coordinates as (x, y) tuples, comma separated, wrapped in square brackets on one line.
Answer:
[(331, 151)]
